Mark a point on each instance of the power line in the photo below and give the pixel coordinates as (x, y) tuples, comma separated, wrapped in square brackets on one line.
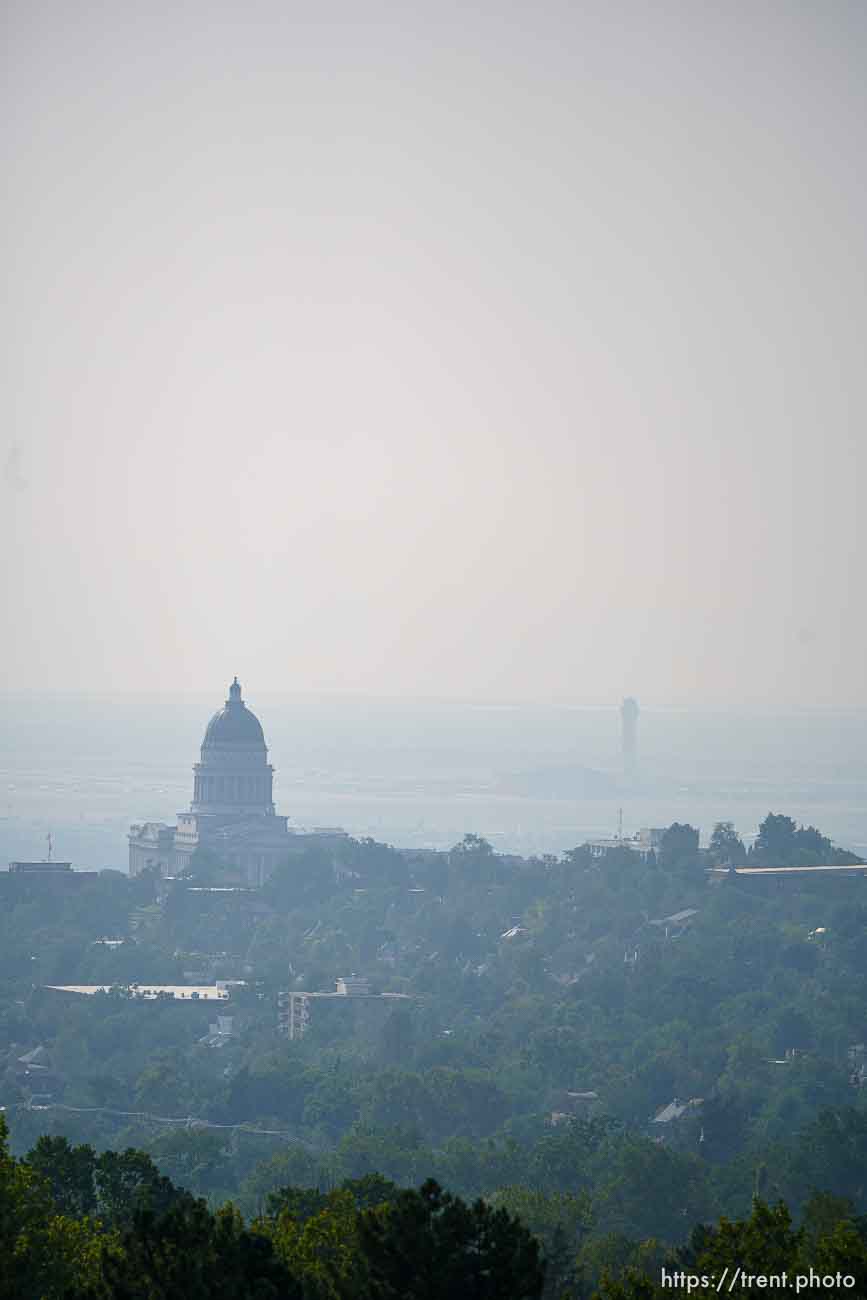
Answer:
[(185, 1121)]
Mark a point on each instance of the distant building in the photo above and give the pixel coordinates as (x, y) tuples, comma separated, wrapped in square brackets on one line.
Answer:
[(756, 873), (769, 880), (293, 1006), (566, 1106), (36, 1061), (232, 812), (42, 868), (674, 925), (644, 842), (293, 1014), (50, 873), (220, 1032), (514, 932), (151, 845), (671, 1124), (35, 1075), (151, 992)]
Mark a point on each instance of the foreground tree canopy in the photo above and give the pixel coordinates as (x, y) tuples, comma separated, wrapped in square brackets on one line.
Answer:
[(368, 1240)]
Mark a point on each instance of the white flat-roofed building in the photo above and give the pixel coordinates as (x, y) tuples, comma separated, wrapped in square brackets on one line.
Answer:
[(644, 842), (150, 992)]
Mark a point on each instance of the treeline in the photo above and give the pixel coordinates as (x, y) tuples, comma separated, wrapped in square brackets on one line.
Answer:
[(77, 1226), (587, 1177)]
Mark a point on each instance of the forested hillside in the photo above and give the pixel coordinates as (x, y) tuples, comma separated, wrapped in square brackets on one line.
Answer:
[(613, 1049)]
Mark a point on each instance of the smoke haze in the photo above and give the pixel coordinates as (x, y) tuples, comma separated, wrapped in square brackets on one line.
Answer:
[(484, 351)]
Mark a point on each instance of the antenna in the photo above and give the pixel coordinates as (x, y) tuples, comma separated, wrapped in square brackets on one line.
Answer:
[(50, 846)]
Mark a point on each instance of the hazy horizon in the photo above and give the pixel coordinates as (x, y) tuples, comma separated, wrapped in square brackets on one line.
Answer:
[(508, 353), (532, 777)]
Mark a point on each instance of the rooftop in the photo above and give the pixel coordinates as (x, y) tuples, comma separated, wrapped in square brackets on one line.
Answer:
[(850, 867), (149, 992), (234, 724)]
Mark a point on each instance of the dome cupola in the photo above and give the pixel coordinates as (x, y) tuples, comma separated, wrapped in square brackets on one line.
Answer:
[(234, 777), (234, 724)]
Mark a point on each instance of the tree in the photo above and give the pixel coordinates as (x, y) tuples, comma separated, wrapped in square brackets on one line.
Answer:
[(42, 1254), (396, 1037), (812, 848), (195, 1155), (25, 1205), (378, 864), (128, 1183), (724, 1121), (764, 1243), (679, 845), (559, 1220), (69, 1173), (370, 1191), (190, 1253), (651, 1191), (472, 861), (299, 1203), (320, 1248), (620, 1268), (775, 843), (823, 1212), (726, 846), (159, 1084), (279, 1176), (831, 1155), (580, 856), (746, 1253), (307, 877), (791, 1029), (428, 1245), (206, 867), (473, 846)]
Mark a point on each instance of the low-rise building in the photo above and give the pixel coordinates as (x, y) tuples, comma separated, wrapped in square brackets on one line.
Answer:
[(673, 926), (643, 843), (567, 1105), (150, 992), (294, 1005), (220, 1032), (671, 1123), (50, 874)]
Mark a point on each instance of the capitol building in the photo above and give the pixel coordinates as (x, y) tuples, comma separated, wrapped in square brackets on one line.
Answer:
[(232, 814)]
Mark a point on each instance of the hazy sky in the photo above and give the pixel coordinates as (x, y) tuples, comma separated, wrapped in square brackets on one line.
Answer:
[(457, 349)]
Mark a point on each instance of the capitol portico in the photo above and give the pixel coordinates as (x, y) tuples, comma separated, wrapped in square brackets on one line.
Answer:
[(232, 813)]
